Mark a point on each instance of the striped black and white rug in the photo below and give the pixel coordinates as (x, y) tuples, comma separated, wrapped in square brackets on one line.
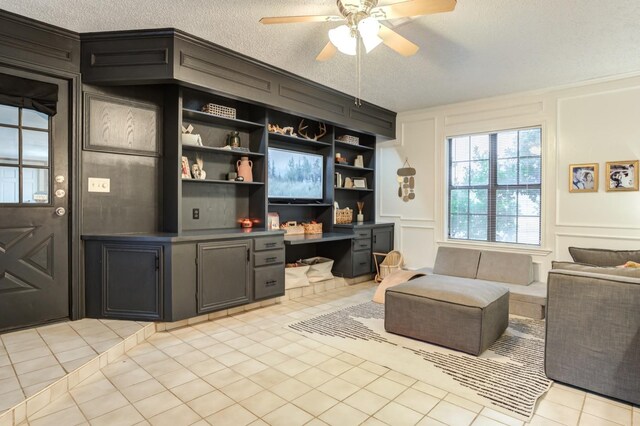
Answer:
[(508, 377)]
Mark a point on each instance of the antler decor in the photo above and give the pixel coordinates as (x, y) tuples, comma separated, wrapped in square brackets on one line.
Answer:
[(303, 133)]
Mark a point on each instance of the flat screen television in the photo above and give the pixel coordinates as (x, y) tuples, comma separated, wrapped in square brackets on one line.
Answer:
[(295, 176)]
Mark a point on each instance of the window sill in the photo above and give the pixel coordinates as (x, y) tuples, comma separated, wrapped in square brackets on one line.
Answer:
[(512, 248)]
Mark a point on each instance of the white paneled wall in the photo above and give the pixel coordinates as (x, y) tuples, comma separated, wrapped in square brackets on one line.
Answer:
[(593, 122)]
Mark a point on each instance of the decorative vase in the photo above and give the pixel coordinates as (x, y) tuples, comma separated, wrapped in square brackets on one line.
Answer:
[(245, 168), (233, 139), (360, 218)]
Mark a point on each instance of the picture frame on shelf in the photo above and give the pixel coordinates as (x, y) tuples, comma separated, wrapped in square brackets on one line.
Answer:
[(186, 170), (360, 183), (583, 177), (622, 175)]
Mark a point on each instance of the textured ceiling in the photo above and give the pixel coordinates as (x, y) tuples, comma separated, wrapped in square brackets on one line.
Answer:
[(483, 48)]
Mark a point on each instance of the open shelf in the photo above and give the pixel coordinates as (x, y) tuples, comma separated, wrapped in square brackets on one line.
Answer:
[(340, 144), (231, 123), (300, 204), (349, 167), (298, 141), (355, 189), (221, 151), (219, 181)]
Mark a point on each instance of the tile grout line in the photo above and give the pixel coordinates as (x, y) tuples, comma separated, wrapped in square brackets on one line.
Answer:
[(19, 413)]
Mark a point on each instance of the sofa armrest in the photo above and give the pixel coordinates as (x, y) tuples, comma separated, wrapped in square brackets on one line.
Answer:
[(593, 332)]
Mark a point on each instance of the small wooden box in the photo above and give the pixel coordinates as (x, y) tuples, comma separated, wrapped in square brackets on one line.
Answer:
[(292, 228)]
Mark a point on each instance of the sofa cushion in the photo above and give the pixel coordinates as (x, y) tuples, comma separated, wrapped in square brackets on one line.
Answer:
[(622, 272), (512, 268), (457, 262), (535, 293), (603, 257), (465, 292)]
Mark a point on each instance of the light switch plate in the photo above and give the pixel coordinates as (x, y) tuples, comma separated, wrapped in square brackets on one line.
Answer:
[(99, 185)]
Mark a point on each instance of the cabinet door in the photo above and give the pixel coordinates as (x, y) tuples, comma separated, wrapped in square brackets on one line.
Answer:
[(223, 275), (132, 281), (383, 239)]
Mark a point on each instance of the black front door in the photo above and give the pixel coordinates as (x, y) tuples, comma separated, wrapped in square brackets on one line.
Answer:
[(34, 220)]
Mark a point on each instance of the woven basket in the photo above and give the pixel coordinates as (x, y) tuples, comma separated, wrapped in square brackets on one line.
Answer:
[(353, 140), (344, 216), (219, 110), (312, 228)]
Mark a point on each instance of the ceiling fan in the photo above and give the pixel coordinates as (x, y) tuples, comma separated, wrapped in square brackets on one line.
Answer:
[(362, 22)]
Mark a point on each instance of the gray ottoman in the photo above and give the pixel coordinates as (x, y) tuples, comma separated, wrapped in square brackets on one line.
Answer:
[(466, 315)]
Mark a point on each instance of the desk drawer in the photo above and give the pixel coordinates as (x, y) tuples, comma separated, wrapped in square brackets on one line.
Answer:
[(270, 257), (268, 243), (362, 233), (361, 244), (361, 263), (268, 281)]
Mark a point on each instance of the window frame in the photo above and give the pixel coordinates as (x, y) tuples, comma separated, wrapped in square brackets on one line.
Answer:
[(20, 164), (492, 187)]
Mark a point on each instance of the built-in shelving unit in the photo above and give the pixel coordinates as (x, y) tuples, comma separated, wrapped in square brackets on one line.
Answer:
[(219, 203)]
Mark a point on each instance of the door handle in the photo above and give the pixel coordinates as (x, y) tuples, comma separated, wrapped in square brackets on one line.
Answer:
[(60, 211)]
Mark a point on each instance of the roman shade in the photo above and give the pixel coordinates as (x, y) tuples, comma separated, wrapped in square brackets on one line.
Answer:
[(26, 93)]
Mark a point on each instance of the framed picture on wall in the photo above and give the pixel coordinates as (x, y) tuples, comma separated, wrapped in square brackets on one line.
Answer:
[(622, 175), (583, 177)]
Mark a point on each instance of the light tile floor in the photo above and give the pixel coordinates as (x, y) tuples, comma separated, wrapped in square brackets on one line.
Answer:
[(30, 360), (249, 369)]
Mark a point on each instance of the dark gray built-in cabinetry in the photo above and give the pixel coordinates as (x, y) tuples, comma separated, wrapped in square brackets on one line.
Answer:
[(170, 277), (200, 261), (357, 258)]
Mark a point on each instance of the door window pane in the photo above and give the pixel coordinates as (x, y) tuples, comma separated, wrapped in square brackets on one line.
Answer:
[(35, 148), (31, 118), (35, 185), (8, 145), (9, 184), (9, 115)]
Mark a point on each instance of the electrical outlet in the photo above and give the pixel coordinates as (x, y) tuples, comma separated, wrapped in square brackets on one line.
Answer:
[(99, 185), (196, 214)]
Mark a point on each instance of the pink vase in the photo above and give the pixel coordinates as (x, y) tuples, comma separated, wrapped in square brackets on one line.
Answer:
[(245, 168)]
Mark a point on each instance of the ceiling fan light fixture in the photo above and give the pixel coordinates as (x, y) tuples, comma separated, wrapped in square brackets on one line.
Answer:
[(342, 39), (368, 29)]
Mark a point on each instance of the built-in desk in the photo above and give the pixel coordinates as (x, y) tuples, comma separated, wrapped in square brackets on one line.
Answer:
[(292, 240), (350, 246)]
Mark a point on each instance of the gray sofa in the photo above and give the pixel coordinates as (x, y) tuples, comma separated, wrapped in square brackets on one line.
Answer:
[(515, 271), (593, 326)]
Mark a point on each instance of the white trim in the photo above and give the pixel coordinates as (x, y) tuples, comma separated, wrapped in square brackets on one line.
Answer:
[(599, 237)]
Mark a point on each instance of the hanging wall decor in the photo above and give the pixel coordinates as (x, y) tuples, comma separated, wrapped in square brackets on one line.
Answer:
[(406, 181)]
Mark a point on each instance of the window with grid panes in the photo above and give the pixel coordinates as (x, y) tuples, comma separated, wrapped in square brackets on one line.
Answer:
[(495, 186)]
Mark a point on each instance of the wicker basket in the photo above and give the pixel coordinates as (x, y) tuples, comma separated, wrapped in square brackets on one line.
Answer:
[(312, 228), (344, 216), (292, 228), (219, 110), (353, 140)]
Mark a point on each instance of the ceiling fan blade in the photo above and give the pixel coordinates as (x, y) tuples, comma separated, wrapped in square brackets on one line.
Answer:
[(397, 42), (327, 53), (412, 8), (296, 19)]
